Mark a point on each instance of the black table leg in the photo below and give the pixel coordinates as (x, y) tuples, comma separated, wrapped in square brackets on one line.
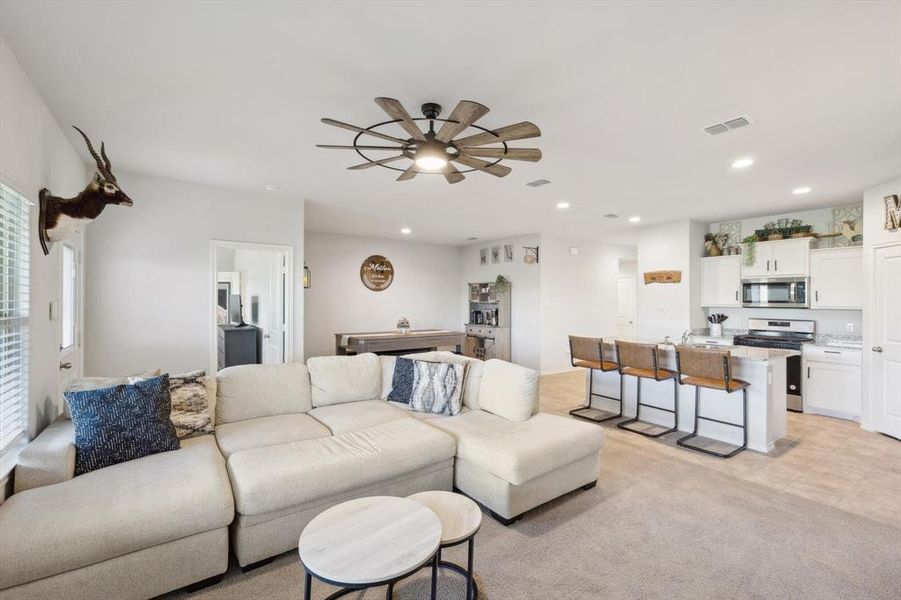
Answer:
[(435, 577), (307, 585), (469, 568), (389, 595)]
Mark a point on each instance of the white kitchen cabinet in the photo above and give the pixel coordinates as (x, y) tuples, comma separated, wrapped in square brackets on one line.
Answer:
[(780, 258), (721, 281), (836, 278), (832, 382)]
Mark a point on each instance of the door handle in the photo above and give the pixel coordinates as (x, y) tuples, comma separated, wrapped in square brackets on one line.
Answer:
[(65, 365), (808, 372), (266, 336), (877, 349), (816, 295), (736, 295)]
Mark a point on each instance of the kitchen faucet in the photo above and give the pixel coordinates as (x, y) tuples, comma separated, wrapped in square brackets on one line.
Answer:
[(686, 335)]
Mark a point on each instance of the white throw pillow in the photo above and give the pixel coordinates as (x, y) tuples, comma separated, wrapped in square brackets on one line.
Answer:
[(509, 391), (337, 379)]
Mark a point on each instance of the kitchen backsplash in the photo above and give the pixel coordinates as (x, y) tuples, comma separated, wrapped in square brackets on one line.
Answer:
[(834, 322)]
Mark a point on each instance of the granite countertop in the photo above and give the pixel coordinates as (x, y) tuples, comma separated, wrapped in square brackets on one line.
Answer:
[(740, 352)]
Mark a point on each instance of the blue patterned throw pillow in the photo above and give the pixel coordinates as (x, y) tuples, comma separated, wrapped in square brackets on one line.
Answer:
[(121, 423), (402, 383)]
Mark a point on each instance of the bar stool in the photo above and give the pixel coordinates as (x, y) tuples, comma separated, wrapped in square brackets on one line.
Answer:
[(588, 353), (712, 369), (642, 362)]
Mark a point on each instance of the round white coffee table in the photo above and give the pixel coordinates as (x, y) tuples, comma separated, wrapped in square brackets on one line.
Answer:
[(369, 542), (460, 521)]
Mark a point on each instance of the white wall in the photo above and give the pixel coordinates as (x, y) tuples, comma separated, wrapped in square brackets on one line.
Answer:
[(34, 153), (668, 309), (525, 293), (426, 288), (578, 294), (873, 235), (148, 293)]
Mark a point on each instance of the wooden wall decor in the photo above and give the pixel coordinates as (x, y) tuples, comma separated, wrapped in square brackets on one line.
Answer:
[(377, 273), (892, 213), (662, 277), (60, 218)]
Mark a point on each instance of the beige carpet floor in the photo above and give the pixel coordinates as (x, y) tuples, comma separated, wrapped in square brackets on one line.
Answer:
[(660, 524)]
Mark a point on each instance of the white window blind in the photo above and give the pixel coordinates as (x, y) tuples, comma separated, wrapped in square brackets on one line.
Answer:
[(14, 300)]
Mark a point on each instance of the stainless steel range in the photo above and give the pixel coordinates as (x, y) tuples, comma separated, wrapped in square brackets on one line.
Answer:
[(786, 334)]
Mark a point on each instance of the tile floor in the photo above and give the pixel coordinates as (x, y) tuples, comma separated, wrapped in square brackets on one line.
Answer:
[(827, 460)]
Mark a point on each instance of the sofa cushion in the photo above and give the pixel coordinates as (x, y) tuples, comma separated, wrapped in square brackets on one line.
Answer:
[(114, 511), (352, 416), (474, 368), (519, 451), (268, 431), (252, 391), (509, 390), (337, 379), (121, 423), (269, 479), (49, 458)]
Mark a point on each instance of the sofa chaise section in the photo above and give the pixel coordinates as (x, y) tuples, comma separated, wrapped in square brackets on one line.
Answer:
[(133, 530)]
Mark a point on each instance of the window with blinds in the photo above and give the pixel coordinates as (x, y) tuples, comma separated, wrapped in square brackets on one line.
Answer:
[(14, 299)]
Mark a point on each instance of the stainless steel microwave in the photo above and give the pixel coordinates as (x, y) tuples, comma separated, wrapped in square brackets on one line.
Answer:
[(776, 292)]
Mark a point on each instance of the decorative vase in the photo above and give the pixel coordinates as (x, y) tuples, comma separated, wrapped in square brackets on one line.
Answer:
[(716, 330)]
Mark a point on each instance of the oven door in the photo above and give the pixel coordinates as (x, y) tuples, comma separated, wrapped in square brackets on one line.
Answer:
[(775, 292)]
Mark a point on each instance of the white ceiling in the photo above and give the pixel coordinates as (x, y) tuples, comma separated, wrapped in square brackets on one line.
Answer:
[(231, 94)]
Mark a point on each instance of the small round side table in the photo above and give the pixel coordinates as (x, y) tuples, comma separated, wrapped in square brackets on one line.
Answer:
[(369, 542), (460, 521)]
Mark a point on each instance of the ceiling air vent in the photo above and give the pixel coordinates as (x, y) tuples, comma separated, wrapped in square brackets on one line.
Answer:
[(611, 216), (736, 123), (538, 183)]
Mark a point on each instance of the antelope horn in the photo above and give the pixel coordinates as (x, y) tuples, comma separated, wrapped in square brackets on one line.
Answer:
[(97, 159), (106, 161)]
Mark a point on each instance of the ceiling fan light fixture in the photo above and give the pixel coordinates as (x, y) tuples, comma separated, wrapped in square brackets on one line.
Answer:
[(431, 157)]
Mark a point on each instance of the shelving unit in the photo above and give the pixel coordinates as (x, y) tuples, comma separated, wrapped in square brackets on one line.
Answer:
[(489, 338)]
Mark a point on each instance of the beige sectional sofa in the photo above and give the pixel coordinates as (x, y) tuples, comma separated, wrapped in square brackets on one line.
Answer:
[(291, 440)]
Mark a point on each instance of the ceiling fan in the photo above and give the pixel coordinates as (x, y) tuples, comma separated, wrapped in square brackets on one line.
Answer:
[(433, 152)]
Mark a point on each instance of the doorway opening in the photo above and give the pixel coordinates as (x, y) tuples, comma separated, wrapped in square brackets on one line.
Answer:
[(252, 304)]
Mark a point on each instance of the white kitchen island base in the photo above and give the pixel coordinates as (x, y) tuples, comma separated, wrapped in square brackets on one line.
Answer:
[(764, 369)]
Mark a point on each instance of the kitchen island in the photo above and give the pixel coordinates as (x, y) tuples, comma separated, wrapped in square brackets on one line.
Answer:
[(763, 368)]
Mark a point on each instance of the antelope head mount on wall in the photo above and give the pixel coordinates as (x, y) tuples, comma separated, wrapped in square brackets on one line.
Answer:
[(61, 217)]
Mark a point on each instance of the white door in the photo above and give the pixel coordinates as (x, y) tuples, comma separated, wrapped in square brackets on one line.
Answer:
[(69, 312), (789, 257), (625, 307), (885, 353), (836, 278), (274, 325)]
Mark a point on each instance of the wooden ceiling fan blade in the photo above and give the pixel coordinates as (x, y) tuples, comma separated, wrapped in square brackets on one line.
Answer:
[(519, 131), (336, 147), (350, 127), (466, 113), (529, 154), (481, 165), (397, 111), (410, 173), (452, 174), (375, 163)]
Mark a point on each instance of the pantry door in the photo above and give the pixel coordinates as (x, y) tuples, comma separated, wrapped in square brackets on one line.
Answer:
[(885, 350)]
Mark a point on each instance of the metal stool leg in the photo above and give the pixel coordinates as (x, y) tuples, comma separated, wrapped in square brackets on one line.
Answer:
[(744, 426), (588, 413), (638, 405)]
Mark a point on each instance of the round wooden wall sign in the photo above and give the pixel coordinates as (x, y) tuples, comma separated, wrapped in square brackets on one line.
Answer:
[(377, 273)]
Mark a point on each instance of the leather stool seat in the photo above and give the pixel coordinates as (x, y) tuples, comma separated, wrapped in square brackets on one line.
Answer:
[(600, 365)]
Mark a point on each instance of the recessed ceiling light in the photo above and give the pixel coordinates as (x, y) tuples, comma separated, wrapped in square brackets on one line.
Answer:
[(406, 231), (634, 219), (743, 163), (801, 190), (270, 187), (562, 205)]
